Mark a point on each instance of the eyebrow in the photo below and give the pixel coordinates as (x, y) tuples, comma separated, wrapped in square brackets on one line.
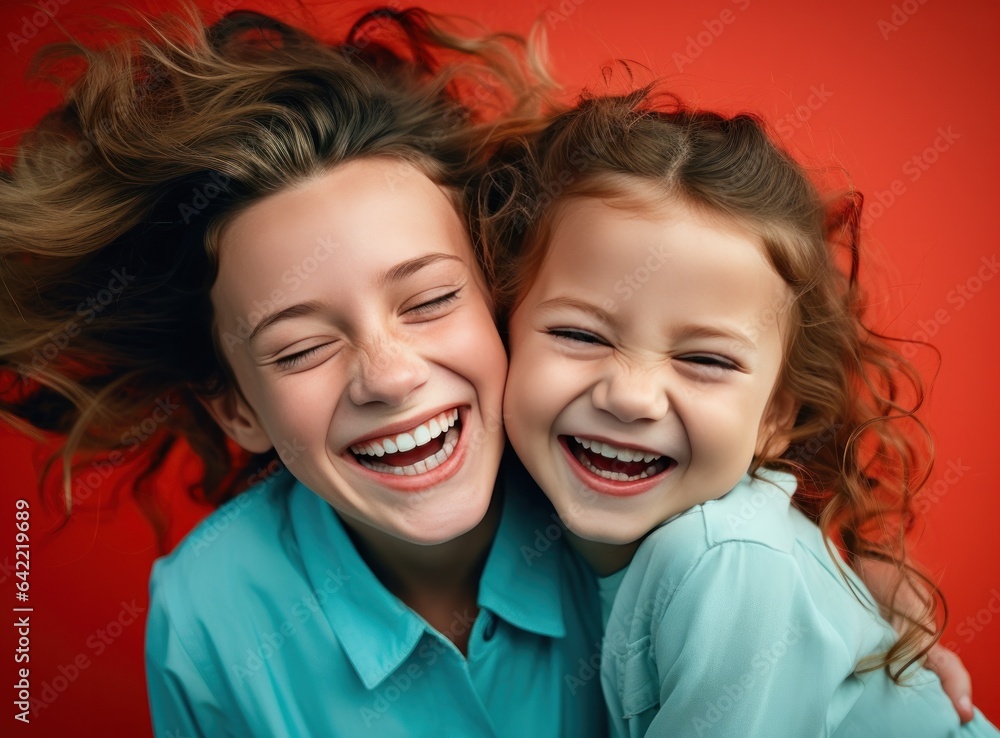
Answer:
[(582, 305), (293, 311), (695, 330), (690, 331), (391, 276), (411, 266)]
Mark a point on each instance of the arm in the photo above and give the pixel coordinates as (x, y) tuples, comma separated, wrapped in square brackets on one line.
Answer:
[(880, 577), (735, 644)]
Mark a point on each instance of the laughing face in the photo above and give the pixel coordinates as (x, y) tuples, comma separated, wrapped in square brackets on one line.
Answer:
[(644, 358), (351, 311)]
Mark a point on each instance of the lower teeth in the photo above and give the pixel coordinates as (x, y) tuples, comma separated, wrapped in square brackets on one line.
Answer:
[(615, 476), (422, 466)]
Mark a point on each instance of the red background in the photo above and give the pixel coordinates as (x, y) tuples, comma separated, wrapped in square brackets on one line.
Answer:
[(867, 85)]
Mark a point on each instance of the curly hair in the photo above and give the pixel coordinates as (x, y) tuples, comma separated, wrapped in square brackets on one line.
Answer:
[(857, 449), (110, 213)]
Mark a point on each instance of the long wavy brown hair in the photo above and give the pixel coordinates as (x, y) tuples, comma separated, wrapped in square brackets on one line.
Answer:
[(857, 449), (110, 211)]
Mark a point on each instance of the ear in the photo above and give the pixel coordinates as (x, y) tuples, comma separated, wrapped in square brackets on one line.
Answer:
[(774, 433), (239, 421)]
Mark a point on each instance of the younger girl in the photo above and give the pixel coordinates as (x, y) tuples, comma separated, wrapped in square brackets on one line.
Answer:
[(687, 359)]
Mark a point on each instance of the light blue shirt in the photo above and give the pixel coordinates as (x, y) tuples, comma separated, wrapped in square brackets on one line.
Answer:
[(733, 620), (265, 621)]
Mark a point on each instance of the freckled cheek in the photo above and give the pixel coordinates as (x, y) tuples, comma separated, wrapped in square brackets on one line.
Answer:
[(302, 407), (473, 349)]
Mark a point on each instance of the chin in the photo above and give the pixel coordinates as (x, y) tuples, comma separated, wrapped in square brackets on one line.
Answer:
[(597, 529), (433, 528)]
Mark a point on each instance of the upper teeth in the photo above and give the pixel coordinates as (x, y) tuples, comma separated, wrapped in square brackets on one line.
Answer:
[(409, 440), (614, 452)]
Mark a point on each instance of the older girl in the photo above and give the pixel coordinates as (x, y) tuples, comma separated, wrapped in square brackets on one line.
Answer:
[(290, 219)]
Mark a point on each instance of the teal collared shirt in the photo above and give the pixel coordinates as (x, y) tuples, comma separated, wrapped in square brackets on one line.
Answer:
[(266, 622), (734, 620)]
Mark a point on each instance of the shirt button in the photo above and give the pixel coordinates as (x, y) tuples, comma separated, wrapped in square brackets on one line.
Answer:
[(490, 629)]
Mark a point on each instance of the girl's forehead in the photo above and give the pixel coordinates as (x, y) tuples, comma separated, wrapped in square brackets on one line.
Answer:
[(370, 206), (348, 227)]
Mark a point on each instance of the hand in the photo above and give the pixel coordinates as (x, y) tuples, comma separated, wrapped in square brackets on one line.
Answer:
[(954, 678)]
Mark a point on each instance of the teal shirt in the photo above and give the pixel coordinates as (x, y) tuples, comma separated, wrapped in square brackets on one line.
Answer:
[(734, 620), (265, 621)]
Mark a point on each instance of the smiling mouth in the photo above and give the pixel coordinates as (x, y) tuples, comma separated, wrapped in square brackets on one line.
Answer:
[(415, 451), (616, 463)]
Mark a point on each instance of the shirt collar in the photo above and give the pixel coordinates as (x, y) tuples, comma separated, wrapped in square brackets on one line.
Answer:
[(520, 581), (375, 629)]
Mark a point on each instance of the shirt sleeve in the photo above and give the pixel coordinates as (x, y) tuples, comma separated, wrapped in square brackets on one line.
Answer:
[(181, 701), (740, 649)]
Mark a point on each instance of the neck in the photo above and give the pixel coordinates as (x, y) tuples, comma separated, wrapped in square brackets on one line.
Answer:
[(439, 582), (604, 558)]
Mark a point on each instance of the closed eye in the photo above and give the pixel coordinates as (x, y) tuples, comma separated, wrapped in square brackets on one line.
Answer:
[(435, 304), (578, 336), (293, 360), (710, 360)]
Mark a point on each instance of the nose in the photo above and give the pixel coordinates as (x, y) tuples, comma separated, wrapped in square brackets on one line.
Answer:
[(632, 394), (388, 372)]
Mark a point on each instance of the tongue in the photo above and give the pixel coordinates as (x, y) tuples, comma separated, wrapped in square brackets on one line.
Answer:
[(629, 468), (406, 458)]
